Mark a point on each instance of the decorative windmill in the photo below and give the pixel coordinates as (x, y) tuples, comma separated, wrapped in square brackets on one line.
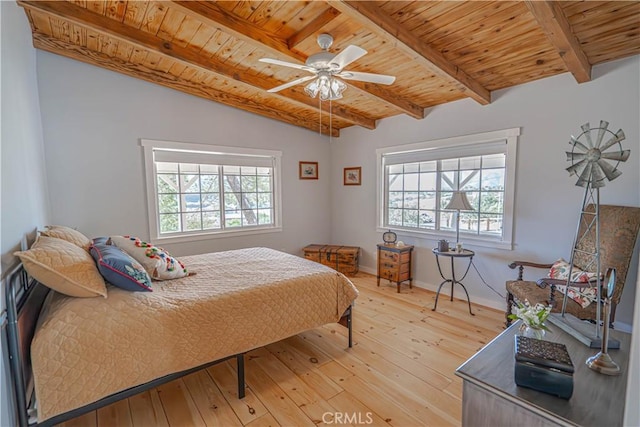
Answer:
[(594, 163)]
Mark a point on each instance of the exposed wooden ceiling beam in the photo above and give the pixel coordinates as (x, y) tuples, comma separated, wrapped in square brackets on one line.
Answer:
[(315, 25), (243, 30), (370, 15), (83, 54), (139, 38), (555, 25)]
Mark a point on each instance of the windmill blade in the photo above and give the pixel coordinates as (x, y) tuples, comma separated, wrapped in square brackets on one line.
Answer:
[(619, 136), (367, 77), (610, 172), (601, 131), (585, 176), (575, 156), (347, 56), (577, 143), (597, 175), (285, 64), (577, 168), (291, 83), (620, 156), (586, 128)]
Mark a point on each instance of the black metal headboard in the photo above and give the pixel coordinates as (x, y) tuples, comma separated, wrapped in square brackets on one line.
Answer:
[(24, 298)]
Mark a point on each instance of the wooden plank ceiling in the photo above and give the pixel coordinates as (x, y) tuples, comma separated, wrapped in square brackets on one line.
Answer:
[(439, 51)]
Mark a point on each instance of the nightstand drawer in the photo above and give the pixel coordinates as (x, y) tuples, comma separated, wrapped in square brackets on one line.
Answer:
[(388, 273), (389, 256)]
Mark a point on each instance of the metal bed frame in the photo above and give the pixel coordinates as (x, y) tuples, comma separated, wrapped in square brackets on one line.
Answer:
[(24, 299)]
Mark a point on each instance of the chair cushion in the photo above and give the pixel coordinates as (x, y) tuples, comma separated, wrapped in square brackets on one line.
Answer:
[(525, 290)]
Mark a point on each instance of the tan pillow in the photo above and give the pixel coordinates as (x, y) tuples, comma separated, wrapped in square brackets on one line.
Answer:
[(63, 267), (68, 234)]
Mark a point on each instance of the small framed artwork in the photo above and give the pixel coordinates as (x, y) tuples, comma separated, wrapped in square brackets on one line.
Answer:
[(308, 170), (353, 176)]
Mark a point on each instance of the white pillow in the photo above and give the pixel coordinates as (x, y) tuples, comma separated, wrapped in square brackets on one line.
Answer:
[(156, 261)]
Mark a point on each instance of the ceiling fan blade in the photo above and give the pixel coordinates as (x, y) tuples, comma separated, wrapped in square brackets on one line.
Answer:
[(367, 77), (284, 63), (620, 156), (291, 83), (347, 56)]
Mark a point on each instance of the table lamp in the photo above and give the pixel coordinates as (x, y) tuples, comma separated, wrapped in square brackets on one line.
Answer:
[(459, 202)]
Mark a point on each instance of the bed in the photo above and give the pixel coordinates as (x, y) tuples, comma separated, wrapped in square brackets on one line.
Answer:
[(89, 352)]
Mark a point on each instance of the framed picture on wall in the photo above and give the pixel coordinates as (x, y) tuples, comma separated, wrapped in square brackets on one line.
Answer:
[(308, 170), (353, 176)]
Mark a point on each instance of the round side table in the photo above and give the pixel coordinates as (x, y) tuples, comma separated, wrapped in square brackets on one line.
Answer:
[(452, 255)]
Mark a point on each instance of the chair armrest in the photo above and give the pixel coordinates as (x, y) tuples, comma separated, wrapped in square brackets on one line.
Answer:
[(522, 264)]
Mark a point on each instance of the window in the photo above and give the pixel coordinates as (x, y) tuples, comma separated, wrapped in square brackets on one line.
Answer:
[(417, 183), (201, 191)]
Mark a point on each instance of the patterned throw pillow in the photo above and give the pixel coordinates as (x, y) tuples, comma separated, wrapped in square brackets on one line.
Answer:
[(119, 268), (159, 263), (583, 296), (68, 234)]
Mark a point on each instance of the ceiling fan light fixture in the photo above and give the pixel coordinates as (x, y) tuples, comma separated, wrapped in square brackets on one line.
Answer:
[(328, 87)]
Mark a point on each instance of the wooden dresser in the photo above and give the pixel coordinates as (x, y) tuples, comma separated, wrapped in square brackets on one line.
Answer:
[(491, 397), (394, 264)]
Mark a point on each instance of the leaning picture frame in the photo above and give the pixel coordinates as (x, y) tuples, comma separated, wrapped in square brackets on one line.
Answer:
[(353, 176), (308, 170)]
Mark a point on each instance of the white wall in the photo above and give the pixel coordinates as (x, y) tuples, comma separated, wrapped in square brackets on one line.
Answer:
[(24, 190), (93, 120), (547, 202)]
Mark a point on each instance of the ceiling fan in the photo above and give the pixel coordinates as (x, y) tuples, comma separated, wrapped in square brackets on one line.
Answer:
[(325, 67)]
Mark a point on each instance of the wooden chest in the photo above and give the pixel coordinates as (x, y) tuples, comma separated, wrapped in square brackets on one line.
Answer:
[(341, 258)]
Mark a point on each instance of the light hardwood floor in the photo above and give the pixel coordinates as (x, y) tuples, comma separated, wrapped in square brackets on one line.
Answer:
[(400, 371)]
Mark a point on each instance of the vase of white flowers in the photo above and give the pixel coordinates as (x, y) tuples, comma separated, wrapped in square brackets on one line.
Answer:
[(532, 317)]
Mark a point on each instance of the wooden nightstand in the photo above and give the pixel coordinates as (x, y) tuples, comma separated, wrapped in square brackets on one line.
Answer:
[(394, 264)]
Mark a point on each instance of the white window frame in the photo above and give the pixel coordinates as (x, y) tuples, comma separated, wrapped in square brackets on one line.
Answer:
[(459, 146), (151, 145)]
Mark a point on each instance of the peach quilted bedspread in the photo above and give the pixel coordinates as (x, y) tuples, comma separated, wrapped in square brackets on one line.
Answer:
[(88, 348)]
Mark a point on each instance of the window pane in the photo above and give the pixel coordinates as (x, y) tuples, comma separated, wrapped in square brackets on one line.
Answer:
[(190, 183), (491, 224), (209, 169), (447, 181), (265, 216), (163, 167), (396, 169), (411, 200), (211, 202), (191, 221), (473, 197), (428, 166), (263, 171), (492, 202), (428, 181), (232, 201), (264, 200), (264, 183), (427, 219), (445, 198), (395, 216), (493, 179), (169, 223), (209, 183), (232, 183), (427, 200), (395, 199), (191, 202), (469, 180), (468, 222), (167, 183), (168, 203), (248, 170), (248, 184), (470, 163), (450, 164), (447, 220), (249, 201), (189, 168), (411, 182), (411, 167), (249, 217), (232, 218), (210, 220), (410, 218), (231, 170), (395, 183)]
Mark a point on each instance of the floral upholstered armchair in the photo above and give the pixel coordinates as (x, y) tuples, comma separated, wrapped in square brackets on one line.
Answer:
[(618, 233)]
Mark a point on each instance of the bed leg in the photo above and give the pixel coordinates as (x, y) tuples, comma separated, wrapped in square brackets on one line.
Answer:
[(350, 327), (240, 363)]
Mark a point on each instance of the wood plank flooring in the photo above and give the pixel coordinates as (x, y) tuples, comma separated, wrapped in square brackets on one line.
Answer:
[(400, 372)]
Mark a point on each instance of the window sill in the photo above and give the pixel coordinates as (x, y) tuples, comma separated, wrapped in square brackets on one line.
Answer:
[(182, 238), (467, 240)]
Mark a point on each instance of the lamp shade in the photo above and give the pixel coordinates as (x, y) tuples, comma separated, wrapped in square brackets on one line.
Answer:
[(459, 202)]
